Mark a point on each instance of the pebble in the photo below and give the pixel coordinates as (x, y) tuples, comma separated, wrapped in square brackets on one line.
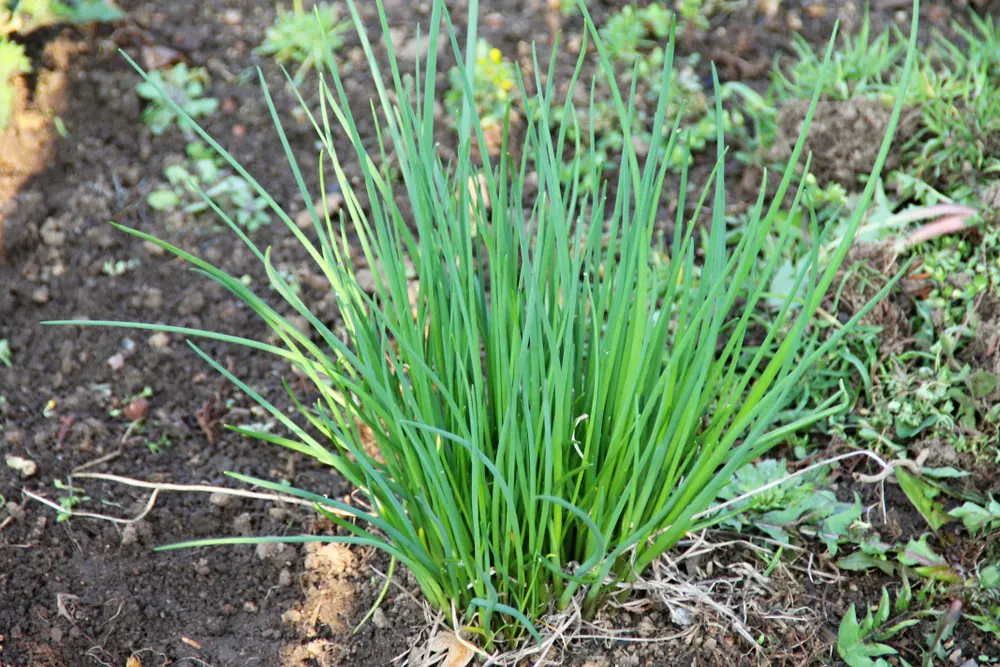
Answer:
[(300, 323), (16, 511), (41, 295), (243, 524), (51, 233), (19, 464), (153, 298), (681, 617), (116, 361), (366, 281), (334, 202), (220, 499), (285, 577), (192, 303), (153, 249), (232, 17), (14, 436), (160, 340), (130, 535), (137, 409), (271, 550), (379, 619)]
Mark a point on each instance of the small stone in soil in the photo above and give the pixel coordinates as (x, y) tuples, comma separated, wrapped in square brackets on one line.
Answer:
[(130, 535), (160, 340), (137, 409), (366, 281), (334, 200), (41, 295), (51, 233), (300, 323), (681, 617), (232, 17), (271, 550), (243, 524), (379, 619), (153, 249), (116, 361), (221, 499), (14, 436), (26, 467)]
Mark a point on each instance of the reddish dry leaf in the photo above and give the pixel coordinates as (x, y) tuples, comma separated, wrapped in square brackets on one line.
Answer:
[(159, 57)]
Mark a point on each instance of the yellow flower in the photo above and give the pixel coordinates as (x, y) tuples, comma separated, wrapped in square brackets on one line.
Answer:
[(496, 56)]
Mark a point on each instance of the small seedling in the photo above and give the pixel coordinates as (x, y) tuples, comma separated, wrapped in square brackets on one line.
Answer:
[(157, 446), (119, 267), (185, 86), (203, 176), (5, 352), (70, 500), (694, 13), (305, 37)]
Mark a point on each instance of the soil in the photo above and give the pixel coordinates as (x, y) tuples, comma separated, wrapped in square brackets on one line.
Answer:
[(93, 592), (842, 137)]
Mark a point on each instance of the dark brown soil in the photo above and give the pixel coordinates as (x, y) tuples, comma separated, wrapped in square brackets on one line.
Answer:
[(89, 592), (844, 137)]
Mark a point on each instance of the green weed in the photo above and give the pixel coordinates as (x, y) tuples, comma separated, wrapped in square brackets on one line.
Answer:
[(179, 87), (796, 506), (303, 37), (72, 497), (633, 29), (157, 446), (204, 173), (948, 592), (862, 66), (860, 641), (494, 79)]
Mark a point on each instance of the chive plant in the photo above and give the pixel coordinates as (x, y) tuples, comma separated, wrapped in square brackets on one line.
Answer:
[(546, 425)]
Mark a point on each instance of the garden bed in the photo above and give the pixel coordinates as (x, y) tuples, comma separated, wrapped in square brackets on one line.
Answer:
[(86, 591)]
